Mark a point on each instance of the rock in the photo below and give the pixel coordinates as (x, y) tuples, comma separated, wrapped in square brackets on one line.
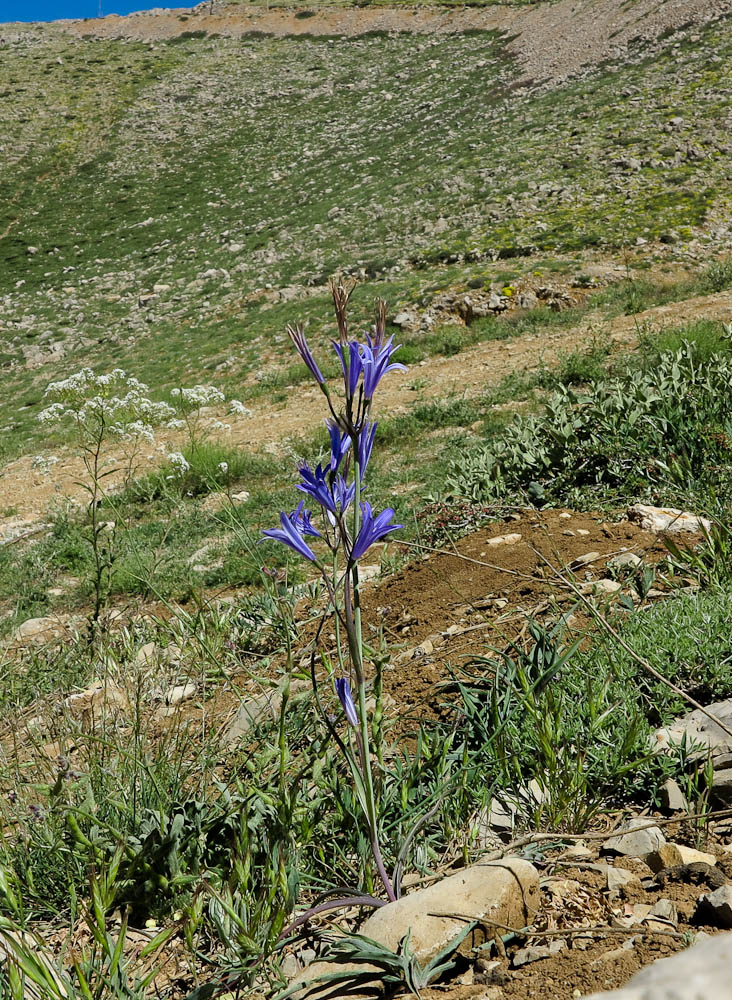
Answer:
[(625, 560), (689, 856), (666, 520), (722, 786), (147, 654), (38, 630), (424, 649), (254, 711), (618, 878), (96, 698), (717, 907), (585, 560), (662, 916), (504, 539), (672, 798), (532, 953), (613, 955), (601, 587), (578, 852), (667, 856), (496, 894), (700, 731), (179, 693), (638, 838), (700, 971), (240, 497), (289, 967), (501, 817), (404, 319)]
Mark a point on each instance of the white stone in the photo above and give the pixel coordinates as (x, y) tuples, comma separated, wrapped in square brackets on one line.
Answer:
[(38, 630), (98, 696), (617, 878), (689, 856), (701, 733), (625, 560), (585, 560), (701, 972), (601, 587), (254, 711), (496, 894), (504, 539), (666, 520), (637, 838), (672, 798), (179, 693)]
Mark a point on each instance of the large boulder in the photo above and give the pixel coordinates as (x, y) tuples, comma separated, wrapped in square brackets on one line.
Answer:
[(494, 894)]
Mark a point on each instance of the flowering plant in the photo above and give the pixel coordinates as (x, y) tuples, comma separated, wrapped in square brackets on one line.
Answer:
[(347, 528), (100, 408)]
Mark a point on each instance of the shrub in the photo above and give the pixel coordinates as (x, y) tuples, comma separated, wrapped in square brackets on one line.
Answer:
[(623, 434)]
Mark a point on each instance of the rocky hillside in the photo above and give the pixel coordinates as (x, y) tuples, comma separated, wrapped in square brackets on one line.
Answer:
[(165, 177)]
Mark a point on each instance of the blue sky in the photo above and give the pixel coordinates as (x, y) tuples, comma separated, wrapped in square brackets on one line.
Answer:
[(50, 10)]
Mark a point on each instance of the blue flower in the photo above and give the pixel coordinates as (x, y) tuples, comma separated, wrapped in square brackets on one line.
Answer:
[(297, 336), (352, 374), (343, 690), (315, 485), (375, 362), (343, 494), (332, 498), (339, 444), (365, 444), (373, 529), (294, 527)]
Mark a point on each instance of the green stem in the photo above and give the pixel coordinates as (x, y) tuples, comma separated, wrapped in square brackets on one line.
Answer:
[(355, 636)]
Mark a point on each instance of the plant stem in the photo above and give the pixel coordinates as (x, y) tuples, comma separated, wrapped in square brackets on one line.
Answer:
[(355, 642)]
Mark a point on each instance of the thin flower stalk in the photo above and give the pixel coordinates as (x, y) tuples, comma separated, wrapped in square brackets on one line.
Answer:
[(348, 528)]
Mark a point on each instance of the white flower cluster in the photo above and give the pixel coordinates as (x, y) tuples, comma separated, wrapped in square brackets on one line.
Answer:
[(118, 402), (179, 463), (238, 408), (188, 400)]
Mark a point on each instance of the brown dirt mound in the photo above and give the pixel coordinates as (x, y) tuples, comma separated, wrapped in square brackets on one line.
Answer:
[(447, 608)]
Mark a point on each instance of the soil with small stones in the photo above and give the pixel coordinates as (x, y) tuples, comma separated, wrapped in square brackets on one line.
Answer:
[(600, 959), (457, 606)]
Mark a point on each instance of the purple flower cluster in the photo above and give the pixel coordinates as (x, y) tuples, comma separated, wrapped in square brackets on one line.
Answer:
[(363, 365)]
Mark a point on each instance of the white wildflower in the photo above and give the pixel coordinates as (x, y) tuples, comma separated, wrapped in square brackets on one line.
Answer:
[(197, 397), (239, 409), (179, 463)]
